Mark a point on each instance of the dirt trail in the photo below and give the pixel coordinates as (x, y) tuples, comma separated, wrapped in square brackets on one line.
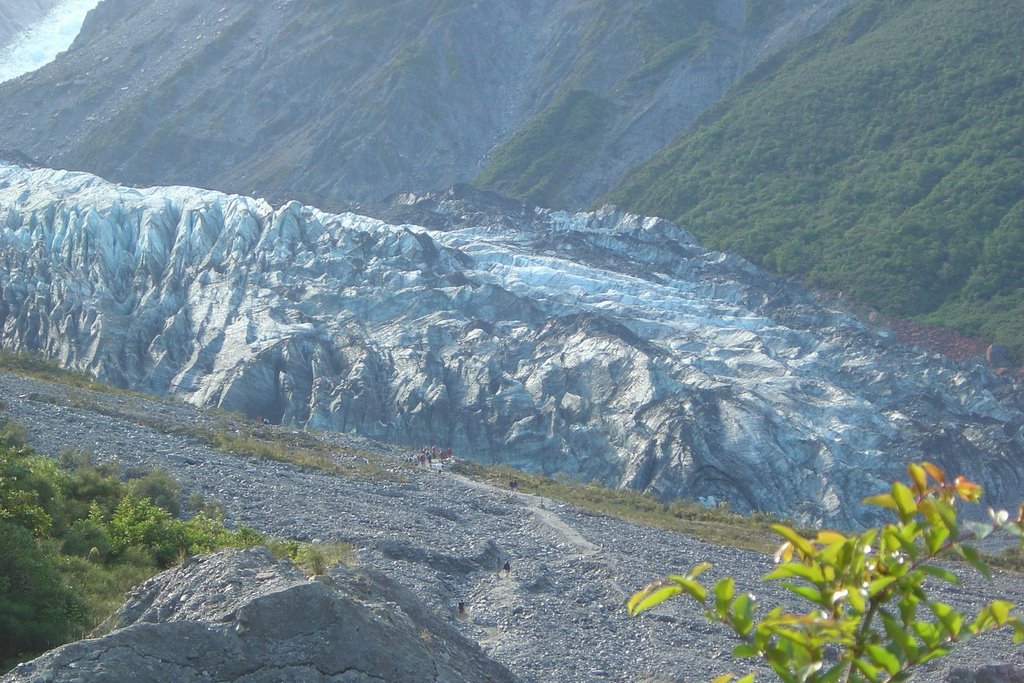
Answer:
[(543, 509)]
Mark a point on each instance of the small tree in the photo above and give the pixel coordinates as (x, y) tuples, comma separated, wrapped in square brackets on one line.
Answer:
[(870, 617)]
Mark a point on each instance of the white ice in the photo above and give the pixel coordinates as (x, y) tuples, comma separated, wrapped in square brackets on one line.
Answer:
[(40, 44)]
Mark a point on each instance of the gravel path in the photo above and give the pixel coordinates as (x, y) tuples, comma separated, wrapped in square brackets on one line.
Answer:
[(558, 615)]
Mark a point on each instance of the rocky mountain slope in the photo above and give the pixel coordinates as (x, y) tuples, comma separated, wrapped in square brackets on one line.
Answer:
[(557, 617), (326, 102), (601, 345)]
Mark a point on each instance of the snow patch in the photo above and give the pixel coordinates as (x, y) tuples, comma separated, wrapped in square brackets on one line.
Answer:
[(43, 41)]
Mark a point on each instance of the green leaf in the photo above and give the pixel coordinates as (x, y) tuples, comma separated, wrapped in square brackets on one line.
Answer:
[(935, 538), (1001, 611), (905, 503), (900, 638), (883, 658), (975, 560), (798, 541), (856, 600), (980, 530), (691, 587), (933, 654), (744, 651), (807, 593), (1018, 631), (652, 595), (950, 618), (919, 476), (878, 585), (884, 500), (698, 570), (940, 573), (811, 572), (743, 614), (724, 591), (930, 634), (869, 670), (948, 514)]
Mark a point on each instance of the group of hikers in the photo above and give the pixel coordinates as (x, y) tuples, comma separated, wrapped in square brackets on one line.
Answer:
[(431, 456), (434, 458)]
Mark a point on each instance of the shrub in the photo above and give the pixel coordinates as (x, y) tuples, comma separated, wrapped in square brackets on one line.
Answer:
[(13, 434), (161, 489), (138, 523), (36, 610), (83, 536), (870, 616), (92, 492), (211, 508)]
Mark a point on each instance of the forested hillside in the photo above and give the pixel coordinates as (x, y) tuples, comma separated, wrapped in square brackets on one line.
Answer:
[(883, 157)]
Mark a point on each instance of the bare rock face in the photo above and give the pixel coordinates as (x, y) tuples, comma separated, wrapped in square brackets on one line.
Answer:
[(242, 616), (603, 345)]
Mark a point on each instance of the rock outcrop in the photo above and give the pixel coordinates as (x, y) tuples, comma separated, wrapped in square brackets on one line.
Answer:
[(242, 616), (602, 345), (327, 103)]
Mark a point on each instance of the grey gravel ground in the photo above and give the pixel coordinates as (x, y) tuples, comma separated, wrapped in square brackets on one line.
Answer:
[(557, 616)]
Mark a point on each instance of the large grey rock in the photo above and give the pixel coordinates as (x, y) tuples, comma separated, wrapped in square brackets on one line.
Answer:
[(603, 345), (242, 616), (328, 102)]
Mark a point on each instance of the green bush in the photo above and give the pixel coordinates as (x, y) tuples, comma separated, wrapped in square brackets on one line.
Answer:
[(80, 525), (160, 488), (37, 611), (13, 434), (91, 492), (138, 523), (870, 615), (83, 536)]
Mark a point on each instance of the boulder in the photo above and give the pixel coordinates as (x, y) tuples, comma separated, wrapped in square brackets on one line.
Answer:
[(240, 615)]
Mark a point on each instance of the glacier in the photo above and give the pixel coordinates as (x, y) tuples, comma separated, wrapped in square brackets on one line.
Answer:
[(602, 346), (41, 42)]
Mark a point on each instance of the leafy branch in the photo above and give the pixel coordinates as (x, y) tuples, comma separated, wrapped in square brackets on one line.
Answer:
[(870, 617)]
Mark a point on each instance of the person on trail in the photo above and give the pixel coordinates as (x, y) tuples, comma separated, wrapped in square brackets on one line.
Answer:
[(460, 611), (507, 568)]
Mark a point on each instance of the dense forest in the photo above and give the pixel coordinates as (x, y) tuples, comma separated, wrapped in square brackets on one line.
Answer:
[(883, 157)]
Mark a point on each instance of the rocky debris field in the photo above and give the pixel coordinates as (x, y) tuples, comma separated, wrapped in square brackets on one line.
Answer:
[(557, 615)]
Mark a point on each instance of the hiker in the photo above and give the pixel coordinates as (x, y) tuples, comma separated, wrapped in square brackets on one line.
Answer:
[(513, 486), (507, 568), (460, 611)]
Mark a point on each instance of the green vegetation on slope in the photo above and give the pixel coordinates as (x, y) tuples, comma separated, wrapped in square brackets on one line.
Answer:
[(81, 526), (537, 163), (541, 160), (883, 157)]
